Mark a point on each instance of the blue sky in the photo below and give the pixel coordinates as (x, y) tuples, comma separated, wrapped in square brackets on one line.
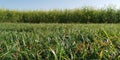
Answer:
[(55, 4)]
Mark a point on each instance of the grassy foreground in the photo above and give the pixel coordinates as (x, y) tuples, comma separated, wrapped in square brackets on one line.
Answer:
[(59, 41)]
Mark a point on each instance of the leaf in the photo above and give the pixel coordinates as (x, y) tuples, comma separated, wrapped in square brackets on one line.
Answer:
[(101, 53), (54, 53)]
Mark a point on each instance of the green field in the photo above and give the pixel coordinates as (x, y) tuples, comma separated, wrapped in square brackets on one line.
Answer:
[(59, 41), (83, 15)]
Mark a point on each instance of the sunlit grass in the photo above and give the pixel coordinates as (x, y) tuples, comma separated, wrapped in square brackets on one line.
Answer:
[(59, 41)]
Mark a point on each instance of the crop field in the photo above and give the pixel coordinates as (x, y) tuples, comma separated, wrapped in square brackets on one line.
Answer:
[(84, 15), (25, 41)]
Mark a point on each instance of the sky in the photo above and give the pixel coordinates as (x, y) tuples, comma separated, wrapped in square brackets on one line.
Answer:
[(56, 4)]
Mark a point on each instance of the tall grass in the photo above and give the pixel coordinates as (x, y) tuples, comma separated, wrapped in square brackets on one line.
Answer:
[(59, 41), (83, 15)]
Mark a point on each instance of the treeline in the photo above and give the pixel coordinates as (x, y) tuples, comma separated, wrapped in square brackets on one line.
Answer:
[(84, 15)]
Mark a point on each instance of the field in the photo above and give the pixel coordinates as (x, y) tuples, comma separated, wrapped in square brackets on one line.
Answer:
[(59, 41), (84, 15)]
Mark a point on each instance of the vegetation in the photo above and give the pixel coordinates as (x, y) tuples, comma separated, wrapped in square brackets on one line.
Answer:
[(59, 41), (84, 15)]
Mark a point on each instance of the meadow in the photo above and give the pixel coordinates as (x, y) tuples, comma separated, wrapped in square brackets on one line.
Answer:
[(69, 34), (27, 41)]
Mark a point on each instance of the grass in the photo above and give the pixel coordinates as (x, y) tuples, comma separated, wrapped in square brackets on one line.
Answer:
[(59, 41), (78, 15)]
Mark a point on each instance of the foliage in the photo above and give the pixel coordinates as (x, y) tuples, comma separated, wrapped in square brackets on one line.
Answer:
[(84, 15), (59, 41)]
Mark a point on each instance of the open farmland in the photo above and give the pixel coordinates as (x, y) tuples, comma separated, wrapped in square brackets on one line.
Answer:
[(59, 41), (84, 15)]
